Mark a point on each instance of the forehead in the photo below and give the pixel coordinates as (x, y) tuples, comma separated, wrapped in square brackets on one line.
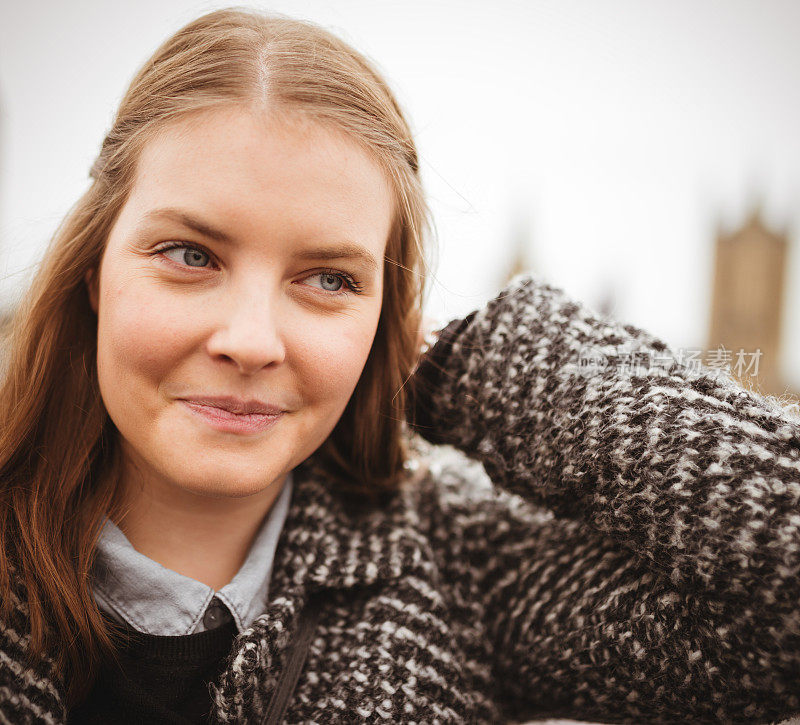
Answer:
[(260, 176)]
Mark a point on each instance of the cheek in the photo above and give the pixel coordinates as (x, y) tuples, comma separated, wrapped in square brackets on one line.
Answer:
[(138, 335), (334, 356)]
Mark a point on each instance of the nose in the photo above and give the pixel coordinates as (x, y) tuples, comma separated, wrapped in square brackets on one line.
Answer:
[(249, 334)]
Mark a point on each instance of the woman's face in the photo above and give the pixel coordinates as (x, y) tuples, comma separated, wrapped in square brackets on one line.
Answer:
[(244, 272)]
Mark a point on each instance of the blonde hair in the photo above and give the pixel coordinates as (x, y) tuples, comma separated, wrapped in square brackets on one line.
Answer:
[(56, 439)]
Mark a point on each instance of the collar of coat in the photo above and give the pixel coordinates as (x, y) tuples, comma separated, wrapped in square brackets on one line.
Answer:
[(330, 541)]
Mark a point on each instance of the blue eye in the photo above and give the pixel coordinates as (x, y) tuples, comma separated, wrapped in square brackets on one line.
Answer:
[(336, 283), (185, 254), (331, 282)]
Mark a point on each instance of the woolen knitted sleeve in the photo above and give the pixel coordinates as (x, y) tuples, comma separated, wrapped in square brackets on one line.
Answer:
[(666, 586)]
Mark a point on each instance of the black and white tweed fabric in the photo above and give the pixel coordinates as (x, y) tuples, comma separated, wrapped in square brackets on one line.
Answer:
[(632, 556)]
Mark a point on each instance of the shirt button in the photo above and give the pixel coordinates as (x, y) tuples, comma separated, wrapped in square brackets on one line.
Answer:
[(215, 615)]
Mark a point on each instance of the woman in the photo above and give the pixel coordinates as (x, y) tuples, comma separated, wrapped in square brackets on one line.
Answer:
[(213, 509)]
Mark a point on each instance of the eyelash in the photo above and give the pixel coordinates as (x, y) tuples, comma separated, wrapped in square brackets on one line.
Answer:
[(352, 285)]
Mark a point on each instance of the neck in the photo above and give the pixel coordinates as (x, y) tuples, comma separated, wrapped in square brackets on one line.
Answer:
[(202, 537)]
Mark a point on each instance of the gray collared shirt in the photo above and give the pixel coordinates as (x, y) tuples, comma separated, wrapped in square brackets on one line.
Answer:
[(133, 588)]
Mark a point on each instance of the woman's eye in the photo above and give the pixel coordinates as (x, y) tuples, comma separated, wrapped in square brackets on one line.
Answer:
[(190, 256), (329, 281)]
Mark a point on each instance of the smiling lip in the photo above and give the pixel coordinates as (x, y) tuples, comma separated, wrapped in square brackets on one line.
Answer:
[(235, 405), (232, 415)]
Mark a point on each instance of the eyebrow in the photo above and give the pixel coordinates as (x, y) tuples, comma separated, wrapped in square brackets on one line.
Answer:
[(187, 220), (344, 250)]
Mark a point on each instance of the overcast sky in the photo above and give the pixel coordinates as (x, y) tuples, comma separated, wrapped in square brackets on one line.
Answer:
[(614, 134)]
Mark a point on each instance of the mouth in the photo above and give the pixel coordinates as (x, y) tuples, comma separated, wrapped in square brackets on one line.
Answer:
[(230, 415), (238, 406)]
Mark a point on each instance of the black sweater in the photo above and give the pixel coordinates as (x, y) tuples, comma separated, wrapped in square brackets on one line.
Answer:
[(158, 679)]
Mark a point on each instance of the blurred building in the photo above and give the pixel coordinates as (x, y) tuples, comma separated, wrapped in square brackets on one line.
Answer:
[(747, 304)]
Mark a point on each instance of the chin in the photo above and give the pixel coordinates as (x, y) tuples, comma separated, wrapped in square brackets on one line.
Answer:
[(225, 485), (225, 493)]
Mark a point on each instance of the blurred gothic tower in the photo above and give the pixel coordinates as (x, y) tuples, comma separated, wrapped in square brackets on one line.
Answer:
[(747, 302)]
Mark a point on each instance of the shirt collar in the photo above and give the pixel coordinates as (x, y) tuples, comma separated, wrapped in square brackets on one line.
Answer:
[(157, 600)]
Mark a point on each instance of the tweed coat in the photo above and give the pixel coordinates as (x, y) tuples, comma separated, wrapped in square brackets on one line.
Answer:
[(632, 555)]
